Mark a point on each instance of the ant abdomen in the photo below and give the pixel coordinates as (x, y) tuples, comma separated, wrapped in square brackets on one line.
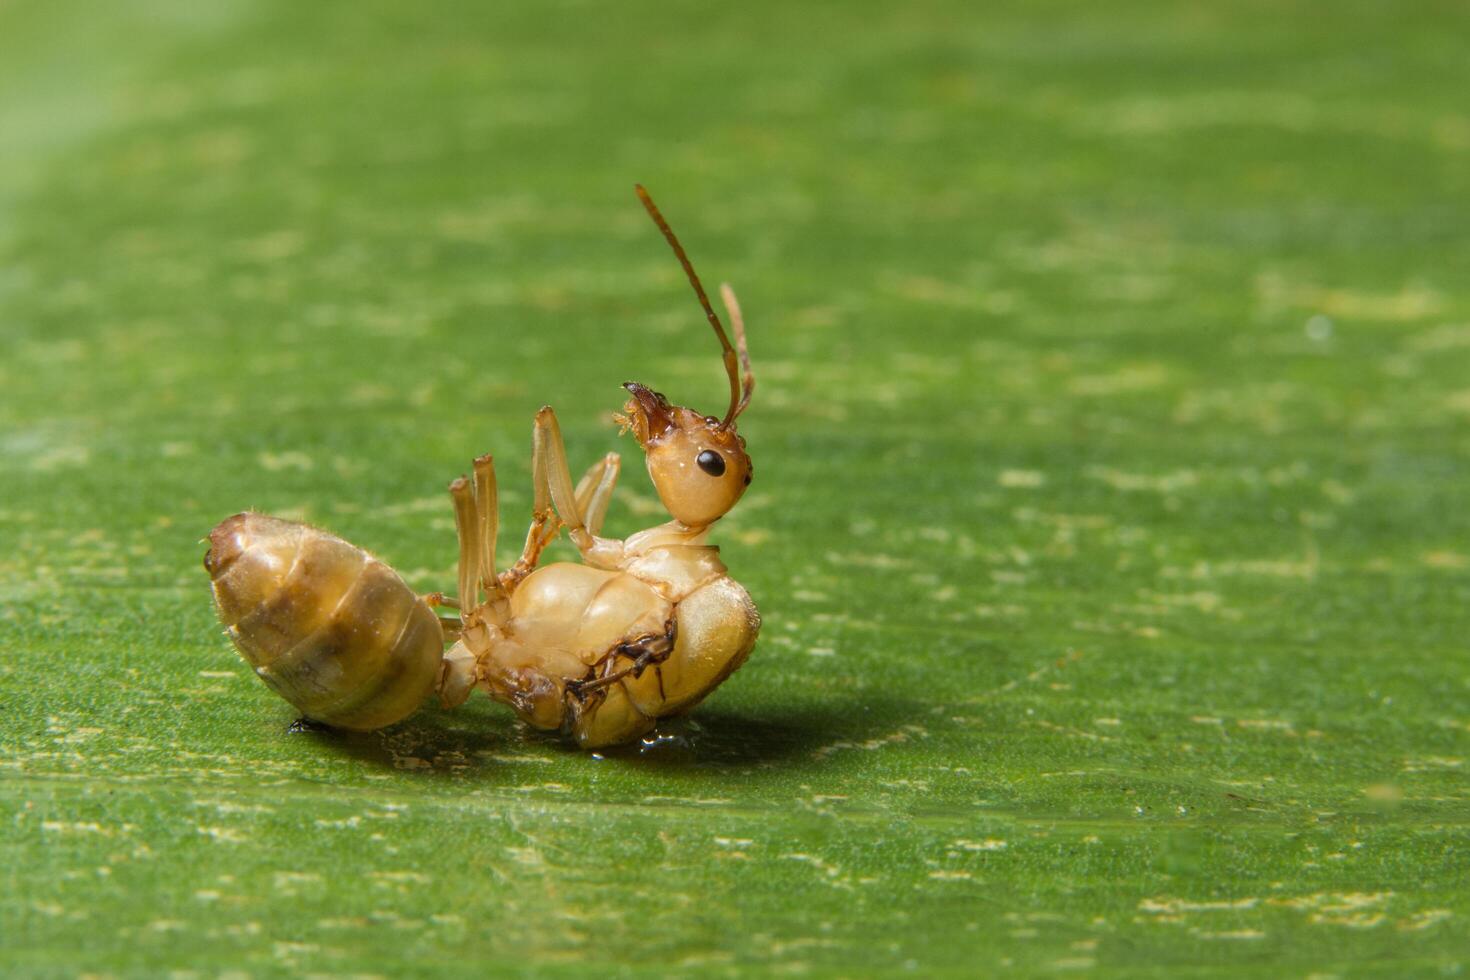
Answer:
[(327, 626)]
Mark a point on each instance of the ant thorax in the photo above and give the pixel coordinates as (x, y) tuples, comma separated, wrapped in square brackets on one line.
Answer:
[(674, 558)]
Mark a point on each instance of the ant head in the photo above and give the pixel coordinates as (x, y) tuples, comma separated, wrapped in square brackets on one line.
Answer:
[(698, 462), (699, 466)]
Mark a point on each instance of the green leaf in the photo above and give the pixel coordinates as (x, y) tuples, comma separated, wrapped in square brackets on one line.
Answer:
[(1111, 450)]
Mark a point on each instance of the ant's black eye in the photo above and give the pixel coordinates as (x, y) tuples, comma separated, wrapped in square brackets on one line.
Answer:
[(711, 462)]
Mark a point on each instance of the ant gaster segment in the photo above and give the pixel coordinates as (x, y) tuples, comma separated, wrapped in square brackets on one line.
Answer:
[(642, 628)]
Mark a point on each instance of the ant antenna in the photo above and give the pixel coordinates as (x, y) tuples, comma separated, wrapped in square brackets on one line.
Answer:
[(730, 357), (737, 324)]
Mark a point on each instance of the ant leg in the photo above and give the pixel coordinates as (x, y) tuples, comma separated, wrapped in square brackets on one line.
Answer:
[(555, 482), (594, 491), (586, 487), (476, 516), (593, 494), (651, 649), (553, 476), (467, 521), (487, 503), (452, 626), (555, 503), (540, 534)]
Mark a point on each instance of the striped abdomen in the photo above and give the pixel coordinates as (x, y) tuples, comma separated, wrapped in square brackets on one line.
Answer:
[(327, 626)]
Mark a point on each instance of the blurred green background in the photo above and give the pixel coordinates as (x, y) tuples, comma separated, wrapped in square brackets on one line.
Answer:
[(1109, 526)]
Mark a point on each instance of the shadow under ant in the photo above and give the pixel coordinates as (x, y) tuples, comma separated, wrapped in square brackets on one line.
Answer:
[(722, 738), (463, 742), (433, 741)]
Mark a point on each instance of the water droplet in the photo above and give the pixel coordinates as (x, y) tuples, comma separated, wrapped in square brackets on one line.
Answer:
[(663, 742)]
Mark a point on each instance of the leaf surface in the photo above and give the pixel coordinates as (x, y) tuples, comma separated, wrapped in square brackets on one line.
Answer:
[(1108, 523)]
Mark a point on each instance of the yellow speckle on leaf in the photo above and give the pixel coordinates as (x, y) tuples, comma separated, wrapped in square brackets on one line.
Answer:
[(1267, 724), (1131, 378), (1433, 762), (1074, 963), (1021, 479), (1156, 483), (1177, 906), (1445, 559), (1423, 920), (292, 460), (1384, 793), (61, 457)]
